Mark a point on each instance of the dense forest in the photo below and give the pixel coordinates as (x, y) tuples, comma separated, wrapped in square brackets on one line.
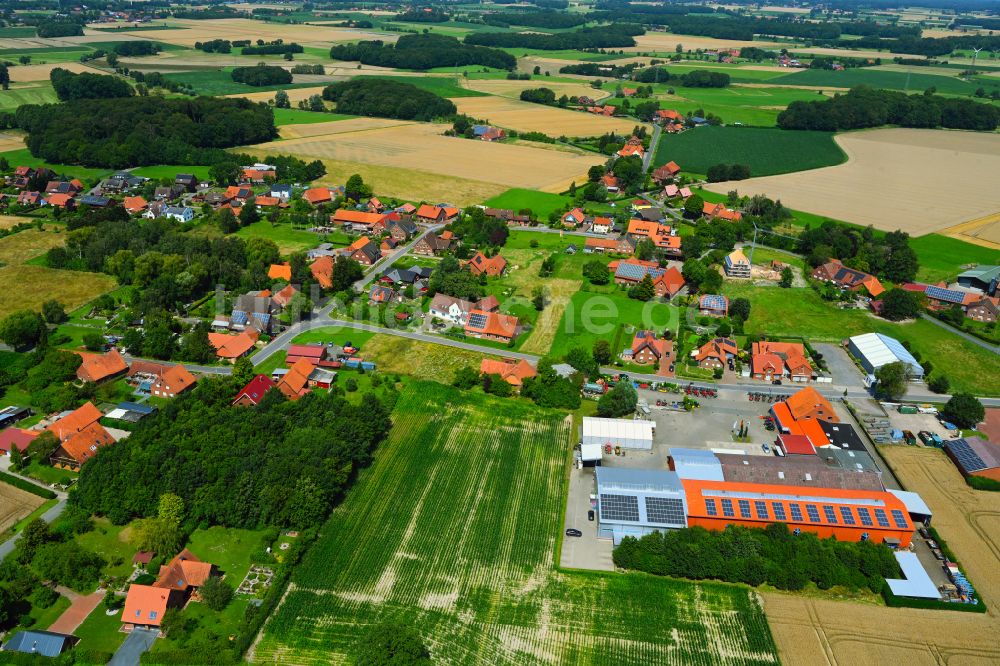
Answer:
[(262, 75), (385, 98), (866, 107), (279, 463), (542, 19), (137, 48), (275, 48), (137, 131), (600, 37), (698, 78), (927, 46), (423, 52), (70, 86), (755, 556), (599, 69), (59, 28)]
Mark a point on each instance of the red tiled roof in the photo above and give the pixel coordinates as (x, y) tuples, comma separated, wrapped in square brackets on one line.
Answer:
[(255, 389), (96, 367), (183, 572), (322, 270), (513, 371), (84, 445), (280, 272), (315, 195), (496, 324), (293, 383), (134, 204), (75, 421), (16, 437), (145, 604), (231, 346)]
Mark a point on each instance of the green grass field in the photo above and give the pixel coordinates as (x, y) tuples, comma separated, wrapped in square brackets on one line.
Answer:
[(802, 313), (32, 94), (17, 31), (171, 170), (766, 151), (879, 78), (542, 203), (736, 104), (220, 82), (462, 550), (445, 86), (23, 157), (47, 54), (287, 238), (336, 335), (301, 117), (942, 257)]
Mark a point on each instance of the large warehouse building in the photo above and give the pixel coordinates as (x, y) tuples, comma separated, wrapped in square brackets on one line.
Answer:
[(628, 434), (873, 350), (975, 456), (635, 502)]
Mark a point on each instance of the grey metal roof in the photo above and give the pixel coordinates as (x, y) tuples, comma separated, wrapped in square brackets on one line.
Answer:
[(823, 470), (916, 582), (698, 464), (637, 480), (45, 643)]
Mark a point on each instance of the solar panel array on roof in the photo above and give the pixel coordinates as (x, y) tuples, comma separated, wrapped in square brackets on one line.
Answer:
[(631, 271), (619, 507), (966, 457), (665, 511), (947, 295), (713, 301), (477, 320), (239, 318)]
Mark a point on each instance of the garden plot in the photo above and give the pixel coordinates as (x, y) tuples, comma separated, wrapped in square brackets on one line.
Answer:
[(528, 117), (421, 146), (886, 182), (462, 550), (852, 633), (15, 504)]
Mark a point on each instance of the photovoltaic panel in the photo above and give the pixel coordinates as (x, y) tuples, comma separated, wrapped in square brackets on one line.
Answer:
[(813, 513), (831, 517), (947, 295), (710, 507), (744, 508), (477, 320), (967, 458), (761, 508), (882, 518), (779, 511), (847, 515), (727, 508), (619, 507), (665, 511), (866, 516), (713, 301), (899, 519), (796, 512)]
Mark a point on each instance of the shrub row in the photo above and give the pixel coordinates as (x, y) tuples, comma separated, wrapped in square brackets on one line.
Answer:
[(26, 486)]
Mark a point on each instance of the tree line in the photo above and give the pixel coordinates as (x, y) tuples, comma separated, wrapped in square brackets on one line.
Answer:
[(422, 52), (927, 46), (59, 28), (70, 86), (386, 98), (535, 19), (283, 463), (698, 78), (262, 75), (277, 47), (220, 45), (771, 555), (135, 131), (865, 107), (887, 256), (609, 36)]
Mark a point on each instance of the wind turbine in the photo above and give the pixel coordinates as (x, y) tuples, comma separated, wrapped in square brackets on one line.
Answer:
[(975, 55)]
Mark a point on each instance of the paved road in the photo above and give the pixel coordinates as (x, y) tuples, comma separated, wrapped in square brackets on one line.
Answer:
[(398, 253), (648, 157), (137, 642), (971, 338), (7, 547)]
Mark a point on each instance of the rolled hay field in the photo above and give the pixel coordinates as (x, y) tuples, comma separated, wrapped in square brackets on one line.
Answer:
[(920, 181), (15, 504), (808, 631), (462, 550), (422, 147), (527, 117)]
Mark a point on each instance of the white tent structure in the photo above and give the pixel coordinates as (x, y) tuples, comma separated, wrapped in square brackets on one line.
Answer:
[(628, 434), (874, 350)]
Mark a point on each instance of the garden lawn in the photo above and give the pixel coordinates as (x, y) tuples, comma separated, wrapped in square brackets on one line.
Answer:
[(287, 238), (101, 632), (766, 151), (228, 548), (942, 257), (802, 313), (275, 361), (171, 170), (335, 335), (42, 618), (111, 542), (462, 550), (540, 203), (613, 317)]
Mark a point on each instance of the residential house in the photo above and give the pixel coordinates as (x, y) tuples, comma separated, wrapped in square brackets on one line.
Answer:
[(231, 347), (262, 201), (602, 225), (26, 198), (646, 212), (713, 305), (95, 201), (715, 353), (168, 193), (322, 271), (154, 210), (808, 403), (364, 251), (239, 194), (511, 370), (70, 187), (172, 382), (38, 643), (668, 116), (280, 271), (179, 213), (59, 200), (776, 360), (737, 265), (939, 297), (488, 133), (491, 266), (321, 250), (259, 174), (281, 191), (647, 349), (850, 279), (375, 206), (254, 391), (610, 182), (99, 367), (317, 195), (492, 326), (669, 283), (76, 448), (633, 148), (573, 218), (666, 173), (283, 297), (401, 230), (145, 605), (718, 210), (254, 309), (16, 438), (663, 236), (451, 309), (507, 215), (405, 275), (431, 245), (186, 180), (387, 245), (121, 181), (606, 110), (986, 309), (629, 272), (295, 383), (436, 214), (134, 205), (359, 221), (380, 294), (671, 191), (623, 245)]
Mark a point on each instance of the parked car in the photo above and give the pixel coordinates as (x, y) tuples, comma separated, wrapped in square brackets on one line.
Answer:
[(767, 449), (574, 532), (777, 382), (590, 515)]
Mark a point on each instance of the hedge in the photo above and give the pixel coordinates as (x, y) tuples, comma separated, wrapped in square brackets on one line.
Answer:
[(26, 486), (982, 483)]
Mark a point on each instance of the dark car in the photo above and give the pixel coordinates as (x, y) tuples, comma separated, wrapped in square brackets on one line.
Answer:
[(777, 382), (574, 532), (590, 515)]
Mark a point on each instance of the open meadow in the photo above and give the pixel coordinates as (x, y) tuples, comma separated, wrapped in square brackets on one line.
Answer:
[(920, 181), (422, 147), (527, 117), (462, 550), (423, 360), (847, 633), (15, 504)]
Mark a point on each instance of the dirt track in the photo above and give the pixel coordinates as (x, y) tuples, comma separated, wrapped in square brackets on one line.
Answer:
[(810, 631)]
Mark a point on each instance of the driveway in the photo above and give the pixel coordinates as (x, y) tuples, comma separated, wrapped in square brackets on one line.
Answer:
[(586, 552), (138, 642), (78, 611), (845, 373)]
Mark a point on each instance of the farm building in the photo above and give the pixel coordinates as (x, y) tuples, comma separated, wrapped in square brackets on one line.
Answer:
[(975, 456), (695, 464), (850, 515), (44, 643), (635, 502), (915, 581), (984, 278), (628, 434), (873, 350)]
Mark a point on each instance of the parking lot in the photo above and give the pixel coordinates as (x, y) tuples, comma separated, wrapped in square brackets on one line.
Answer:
[(917, 422)]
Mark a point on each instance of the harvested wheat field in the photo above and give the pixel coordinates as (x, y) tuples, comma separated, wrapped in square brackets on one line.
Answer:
[(8, 221), (512, 89), (23, 73), (984, 231), (665, 41), (421, 146), (811, 631), (191, 31), (527, 117), (15, 504), (10, 141), (338, 127), (920, 181), (295, 95)]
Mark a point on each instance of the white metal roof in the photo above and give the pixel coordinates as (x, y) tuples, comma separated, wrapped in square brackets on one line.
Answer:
[(916, 583), (914, 503), (594, 426), (590, 452), (117, 413), (881, 350), (698, 464)]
